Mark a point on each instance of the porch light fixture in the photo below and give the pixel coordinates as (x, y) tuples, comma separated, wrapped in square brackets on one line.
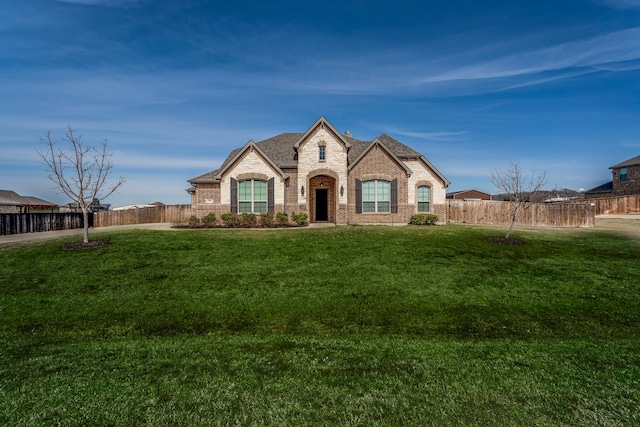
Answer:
[(341, 191), (302, 190)]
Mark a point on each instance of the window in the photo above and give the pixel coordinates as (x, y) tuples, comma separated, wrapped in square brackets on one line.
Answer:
[(252, 196), (623, 174), (322, 153), (424, 198), (376, 196)]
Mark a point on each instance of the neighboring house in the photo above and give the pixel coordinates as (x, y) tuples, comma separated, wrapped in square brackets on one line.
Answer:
[(332, 177), (469, 195), (12, 202), (139, 206), (626, 181), (94, 207)]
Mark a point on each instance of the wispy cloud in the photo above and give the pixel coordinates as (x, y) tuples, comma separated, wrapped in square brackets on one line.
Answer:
[(616, 47), (105, 3), (432, 136)]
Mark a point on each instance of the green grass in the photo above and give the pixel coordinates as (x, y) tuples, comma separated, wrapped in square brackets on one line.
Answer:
[(337, 326)]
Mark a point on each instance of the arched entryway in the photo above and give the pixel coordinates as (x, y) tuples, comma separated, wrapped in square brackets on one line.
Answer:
[(322, 195)]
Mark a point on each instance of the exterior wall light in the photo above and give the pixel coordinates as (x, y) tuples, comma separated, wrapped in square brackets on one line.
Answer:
[(341, 191), (302, 190)]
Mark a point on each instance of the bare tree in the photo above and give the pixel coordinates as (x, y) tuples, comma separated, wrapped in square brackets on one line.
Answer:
[(522, 190), (80, 171)]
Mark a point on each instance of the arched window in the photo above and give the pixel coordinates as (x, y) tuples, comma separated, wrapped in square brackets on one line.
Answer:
[(424, 198), (376, 196), (252, 196)]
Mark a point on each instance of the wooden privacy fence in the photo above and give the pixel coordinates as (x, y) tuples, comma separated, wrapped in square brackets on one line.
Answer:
[(614, 205), (538, 215), (169, 213), (15, 223)]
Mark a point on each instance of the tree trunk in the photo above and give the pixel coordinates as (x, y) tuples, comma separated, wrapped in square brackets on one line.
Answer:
[(514, 218), (85, 221)]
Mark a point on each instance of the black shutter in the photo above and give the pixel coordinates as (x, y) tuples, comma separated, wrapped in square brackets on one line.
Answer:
[(358, 196), (234, 195), (270, 196), (394, 195)]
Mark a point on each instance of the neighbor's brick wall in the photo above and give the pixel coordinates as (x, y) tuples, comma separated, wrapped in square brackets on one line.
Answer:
[(377, 164), (631, 185)]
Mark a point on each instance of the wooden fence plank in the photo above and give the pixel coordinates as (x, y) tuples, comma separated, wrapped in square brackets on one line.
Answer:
[(614, 205), (169, 213), (538, 215), (18, 223)]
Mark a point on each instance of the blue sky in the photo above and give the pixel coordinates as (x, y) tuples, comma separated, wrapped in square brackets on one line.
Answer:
[(175, 85)]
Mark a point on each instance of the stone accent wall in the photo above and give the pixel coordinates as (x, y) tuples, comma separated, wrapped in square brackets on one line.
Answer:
[(631, 185), (309, 165), (377, 164), (423, 175), (250, 164)]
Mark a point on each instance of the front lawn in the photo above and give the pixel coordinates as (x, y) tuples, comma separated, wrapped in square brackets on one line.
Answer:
[(334, 326)]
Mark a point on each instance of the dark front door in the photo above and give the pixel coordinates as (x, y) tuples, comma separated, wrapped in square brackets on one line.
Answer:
[(322, 204)]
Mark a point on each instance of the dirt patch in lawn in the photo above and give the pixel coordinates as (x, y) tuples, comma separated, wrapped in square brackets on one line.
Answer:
[(82, 245)]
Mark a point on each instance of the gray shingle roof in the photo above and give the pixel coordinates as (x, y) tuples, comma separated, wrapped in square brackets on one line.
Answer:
[(604, 188), (631, 162), (280, 150), (11, 198), (398, 148), (37, 201)]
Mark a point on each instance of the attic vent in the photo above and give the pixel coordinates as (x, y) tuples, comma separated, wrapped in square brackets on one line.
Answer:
[(347, 133)]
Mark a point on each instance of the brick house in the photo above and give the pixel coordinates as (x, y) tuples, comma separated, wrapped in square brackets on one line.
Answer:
[(331, 176), (626, 181), (468, 195)]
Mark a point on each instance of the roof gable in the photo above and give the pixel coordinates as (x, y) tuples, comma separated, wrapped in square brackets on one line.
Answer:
[(249, 146), (321, 123), (377, 143)]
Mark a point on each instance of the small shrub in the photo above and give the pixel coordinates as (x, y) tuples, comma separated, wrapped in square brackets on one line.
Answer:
[(248, 219), (229, 219), (266, 219), (282, 218), (300, 218), (209, 220), (194, 221), (423, 219), (418, 219)]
